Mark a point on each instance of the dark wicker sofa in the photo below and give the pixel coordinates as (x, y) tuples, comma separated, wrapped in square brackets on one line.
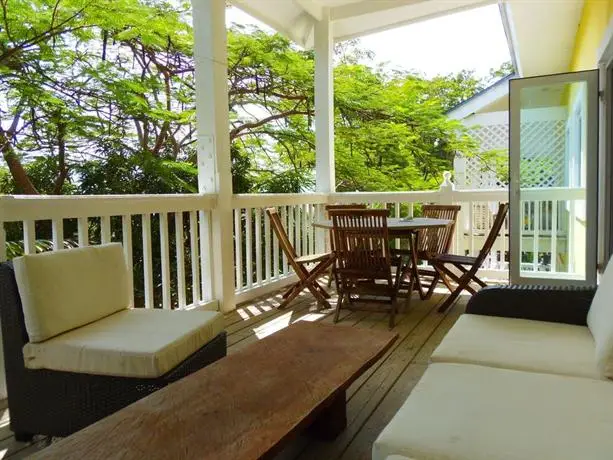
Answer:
[(555, 304), (59, 403)]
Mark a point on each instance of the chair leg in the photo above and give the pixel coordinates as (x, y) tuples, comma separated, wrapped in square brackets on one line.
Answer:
[(325, 293), (435, 279), (288, 292), (479, 281), (450, 299), (339, 305), (293, 293)]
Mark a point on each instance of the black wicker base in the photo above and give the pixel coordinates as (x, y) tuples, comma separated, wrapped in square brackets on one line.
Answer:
[(55, 403)]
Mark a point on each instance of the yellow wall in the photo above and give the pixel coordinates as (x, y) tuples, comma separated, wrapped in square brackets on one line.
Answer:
[(594, 21)]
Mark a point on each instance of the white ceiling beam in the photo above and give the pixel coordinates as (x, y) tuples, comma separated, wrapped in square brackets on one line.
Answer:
[(313, 8), (364, 7), (273, 23)]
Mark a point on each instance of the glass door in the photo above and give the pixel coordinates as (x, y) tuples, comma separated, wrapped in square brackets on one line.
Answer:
[(553, 178)]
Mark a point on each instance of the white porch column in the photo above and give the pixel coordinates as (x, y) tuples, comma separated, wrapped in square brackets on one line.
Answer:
[(324, 105), (214, 162)]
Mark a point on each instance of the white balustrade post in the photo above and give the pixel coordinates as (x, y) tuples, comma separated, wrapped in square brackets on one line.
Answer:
[(447, 189), (324, 111), (459, 170), (214, 162)]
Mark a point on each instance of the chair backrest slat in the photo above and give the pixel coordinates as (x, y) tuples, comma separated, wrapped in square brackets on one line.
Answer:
[(277, 226), (503, 209), (362, 240), (340, 207), (433, 241)]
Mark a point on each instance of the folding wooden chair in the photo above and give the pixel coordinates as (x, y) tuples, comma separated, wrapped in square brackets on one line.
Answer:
[(468, 266), (335, 207), (307, 278), (433, 242), (361, 239)]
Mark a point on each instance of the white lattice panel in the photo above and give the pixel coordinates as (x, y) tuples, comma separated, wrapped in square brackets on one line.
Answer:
[(543, 145)]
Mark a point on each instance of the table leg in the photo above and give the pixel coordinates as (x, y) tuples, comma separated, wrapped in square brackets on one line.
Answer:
[(415, 282), (332, 420)]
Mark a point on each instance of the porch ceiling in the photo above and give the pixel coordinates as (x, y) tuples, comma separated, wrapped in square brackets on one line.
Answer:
[(541, 34), (350, 18)]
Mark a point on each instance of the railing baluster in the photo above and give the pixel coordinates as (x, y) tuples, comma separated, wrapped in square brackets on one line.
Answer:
[(165, 256), (285, 222), (471, 226), (321, 243), (83, 231), (298, 227), (126, 231), (267, 248), (290, 227), (536, 235), (180, 258), (193, 246), (204, 225), (105, 229), (29, 237), (57, 234), (305, 230), (258, 246), (554, 236), (275, 253), (249, 247), (397, 215), (147, 261), (238, 247)]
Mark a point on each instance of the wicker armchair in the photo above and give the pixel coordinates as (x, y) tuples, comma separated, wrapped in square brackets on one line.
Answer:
[(57, 403)]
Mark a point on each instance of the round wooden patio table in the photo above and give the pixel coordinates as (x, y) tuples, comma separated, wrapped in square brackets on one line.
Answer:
[(406, 228)]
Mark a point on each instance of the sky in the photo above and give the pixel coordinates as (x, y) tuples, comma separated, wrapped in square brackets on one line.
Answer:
[(472, 40)]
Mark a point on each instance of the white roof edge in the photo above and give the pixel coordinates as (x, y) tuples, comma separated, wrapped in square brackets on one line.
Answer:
[(483, 99), (509, 29)]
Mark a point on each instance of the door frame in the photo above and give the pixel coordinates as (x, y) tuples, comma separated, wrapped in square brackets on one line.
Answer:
[(592, 145), (605, 150)]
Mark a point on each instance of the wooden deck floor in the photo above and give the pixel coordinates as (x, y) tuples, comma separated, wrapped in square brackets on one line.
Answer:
[(372, 399)]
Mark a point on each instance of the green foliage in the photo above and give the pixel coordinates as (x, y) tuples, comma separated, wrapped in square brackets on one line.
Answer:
[(98, 97)]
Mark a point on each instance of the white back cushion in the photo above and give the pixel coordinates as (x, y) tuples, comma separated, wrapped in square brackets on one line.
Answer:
[(600, 322), (67, 289)]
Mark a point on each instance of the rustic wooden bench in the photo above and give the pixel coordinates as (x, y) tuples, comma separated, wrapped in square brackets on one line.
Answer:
[(245, 406)]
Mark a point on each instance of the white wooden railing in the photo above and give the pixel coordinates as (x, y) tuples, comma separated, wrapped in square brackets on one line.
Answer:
[(259, 263), (163, 222), (170, 252)]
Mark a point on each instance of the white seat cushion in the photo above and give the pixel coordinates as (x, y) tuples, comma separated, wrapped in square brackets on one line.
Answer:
[(64, 290), (600, 322), (520, 344), (129, 343), (467, 412)]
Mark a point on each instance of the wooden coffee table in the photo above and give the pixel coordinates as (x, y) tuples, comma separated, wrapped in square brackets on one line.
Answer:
[(245, 406)]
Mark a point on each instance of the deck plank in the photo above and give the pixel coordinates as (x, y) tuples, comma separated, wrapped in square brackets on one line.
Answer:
[(415, 331)]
